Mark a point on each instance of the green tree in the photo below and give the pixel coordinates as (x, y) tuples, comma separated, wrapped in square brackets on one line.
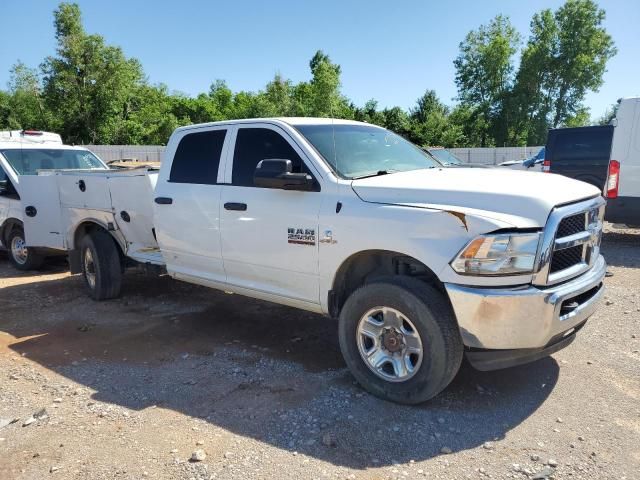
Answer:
[(279, 93), (431, 124), (484, 73), (89, 85), (369, 113), (325, 99), (222, 97), (584, 47), (24, 105), (565, 57), (608, 115), (531, 101)]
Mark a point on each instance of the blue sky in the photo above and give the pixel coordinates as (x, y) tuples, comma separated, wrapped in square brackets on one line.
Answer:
[(389, 50)]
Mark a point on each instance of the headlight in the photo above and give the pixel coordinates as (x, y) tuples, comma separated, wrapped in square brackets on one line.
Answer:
[(500, 254)]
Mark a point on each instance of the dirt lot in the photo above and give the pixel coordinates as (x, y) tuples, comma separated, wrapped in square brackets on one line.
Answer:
[(131, 388)]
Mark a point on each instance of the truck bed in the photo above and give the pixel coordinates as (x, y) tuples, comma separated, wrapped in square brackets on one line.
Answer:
[(121, 201)]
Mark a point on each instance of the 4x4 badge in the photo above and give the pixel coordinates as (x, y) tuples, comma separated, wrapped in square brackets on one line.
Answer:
[(328, 237)]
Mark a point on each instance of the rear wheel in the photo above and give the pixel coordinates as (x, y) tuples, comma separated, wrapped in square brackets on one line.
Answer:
[(101, 265), (21, 256), (400, 339)]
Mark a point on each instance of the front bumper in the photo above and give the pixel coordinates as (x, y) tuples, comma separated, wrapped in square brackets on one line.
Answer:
[(526, 317)]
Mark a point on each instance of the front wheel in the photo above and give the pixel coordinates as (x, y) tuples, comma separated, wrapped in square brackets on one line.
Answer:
[(400, 339), (21, 256), (101, 265)]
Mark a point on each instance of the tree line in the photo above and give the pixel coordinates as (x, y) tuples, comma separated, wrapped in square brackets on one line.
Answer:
[(92, 93)]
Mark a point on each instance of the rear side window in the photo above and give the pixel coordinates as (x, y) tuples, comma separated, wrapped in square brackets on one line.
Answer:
[(197, 158), (255, 144), (582, 144)]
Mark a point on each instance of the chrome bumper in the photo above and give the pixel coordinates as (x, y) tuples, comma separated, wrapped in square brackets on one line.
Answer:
[(525, 317)]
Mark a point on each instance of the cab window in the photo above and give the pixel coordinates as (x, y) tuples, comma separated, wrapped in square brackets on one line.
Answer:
[(256, 144), (197, 158)]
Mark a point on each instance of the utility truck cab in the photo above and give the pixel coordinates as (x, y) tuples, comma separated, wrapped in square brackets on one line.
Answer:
[(421, 264), (26, 152)]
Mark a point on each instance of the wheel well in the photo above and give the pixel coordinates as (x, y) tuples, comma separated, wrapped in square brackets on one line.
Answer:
[(368, 265), (86, 228), (6, 229)]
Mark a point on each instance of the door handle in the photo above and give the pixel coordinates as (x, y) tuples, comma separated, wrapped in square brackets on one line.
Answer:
[(241, 207), (163, 200)]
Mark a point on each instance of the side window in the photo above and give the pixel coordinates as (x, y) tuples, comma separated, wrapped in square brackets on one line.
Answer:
[(197, 158), (255, 144)]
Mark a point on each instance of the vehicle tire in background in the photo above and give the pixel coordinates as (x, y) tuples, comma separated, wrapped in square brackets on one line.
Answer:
[(101, 265), (400, 339), (21, 256)]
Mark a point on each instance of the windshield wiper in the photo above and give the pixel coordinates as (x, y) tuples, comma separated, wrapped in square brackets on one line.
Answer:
[(377, 174)]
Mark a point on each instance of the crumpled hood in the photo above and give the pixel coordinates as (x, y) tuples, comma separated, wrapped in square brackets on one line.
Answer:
[(523, 199)]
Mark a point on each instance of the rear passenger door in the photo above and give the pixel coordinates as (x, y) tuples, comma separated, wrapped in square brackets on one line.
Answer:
[(187, 205), (270, 236)]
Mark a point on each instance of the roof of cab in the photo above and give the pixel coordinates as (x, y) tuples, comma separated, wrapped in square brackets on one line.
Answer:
[(32, 139), (293, 121), (29, 136)]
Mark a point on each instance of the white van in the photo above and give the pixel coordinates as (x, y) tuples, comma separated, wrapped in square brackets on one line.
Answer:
[(623, 182), (25, 152)]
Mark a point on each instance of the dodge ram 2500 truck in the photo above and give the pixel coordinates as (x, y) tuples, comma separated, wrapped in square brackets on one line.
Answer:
[(421, 264)]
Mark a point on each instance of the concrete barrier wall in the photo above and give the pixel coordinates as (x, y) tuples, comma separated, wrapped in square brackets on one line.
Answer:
[(494, 156), (142, 153), (153, 153)]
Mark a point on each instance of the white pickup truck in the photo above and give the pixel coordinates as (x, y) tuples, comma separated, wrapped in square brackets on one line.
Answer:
[(25, 152), (421, 264)]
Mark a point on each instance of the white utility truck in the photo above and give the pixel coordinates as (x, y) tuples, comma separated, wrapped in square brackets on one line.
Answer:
[(421, 264), (25, 152)]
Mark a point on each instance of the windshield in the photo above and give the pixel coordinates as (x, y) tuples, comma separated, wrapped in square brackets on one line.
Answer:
[(445, 156), (28, 161), (355, 151)]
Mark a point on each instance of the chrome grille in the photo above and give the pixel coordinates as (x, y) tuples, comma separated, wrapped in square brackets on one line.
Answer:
[(571, 225), (567, 258), (571, 241)]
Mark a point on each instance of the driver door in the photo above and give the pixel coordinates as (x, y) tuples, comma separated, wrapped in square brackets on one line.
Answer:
[(269, 236)]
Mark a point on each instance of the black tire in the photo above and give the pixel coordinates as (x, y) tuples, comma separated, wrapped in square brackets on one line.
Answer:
[(435, 323), (32, 261), (101, 265)]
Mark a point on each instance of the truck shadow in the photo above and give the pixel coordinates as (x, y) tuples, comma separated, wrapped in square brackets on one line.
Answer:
[(619, 248), (259, 370)]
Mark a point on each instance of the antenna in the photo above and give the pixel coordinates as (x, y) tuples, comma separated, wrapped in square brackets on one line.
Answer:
[(335, 153)]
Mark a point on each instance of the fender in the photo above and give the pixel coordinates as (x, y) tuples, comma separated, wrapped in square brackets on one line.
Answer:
[(6, 228), (107, 224)]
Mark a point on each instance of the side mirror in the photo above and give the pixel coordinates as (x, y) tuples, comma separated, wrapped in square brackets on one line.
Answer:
[(4, 187), (277, 173)]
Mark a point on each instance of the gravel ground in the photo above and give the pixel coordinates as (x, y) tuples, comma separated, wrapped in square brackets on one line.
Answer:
[(174, 381)]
